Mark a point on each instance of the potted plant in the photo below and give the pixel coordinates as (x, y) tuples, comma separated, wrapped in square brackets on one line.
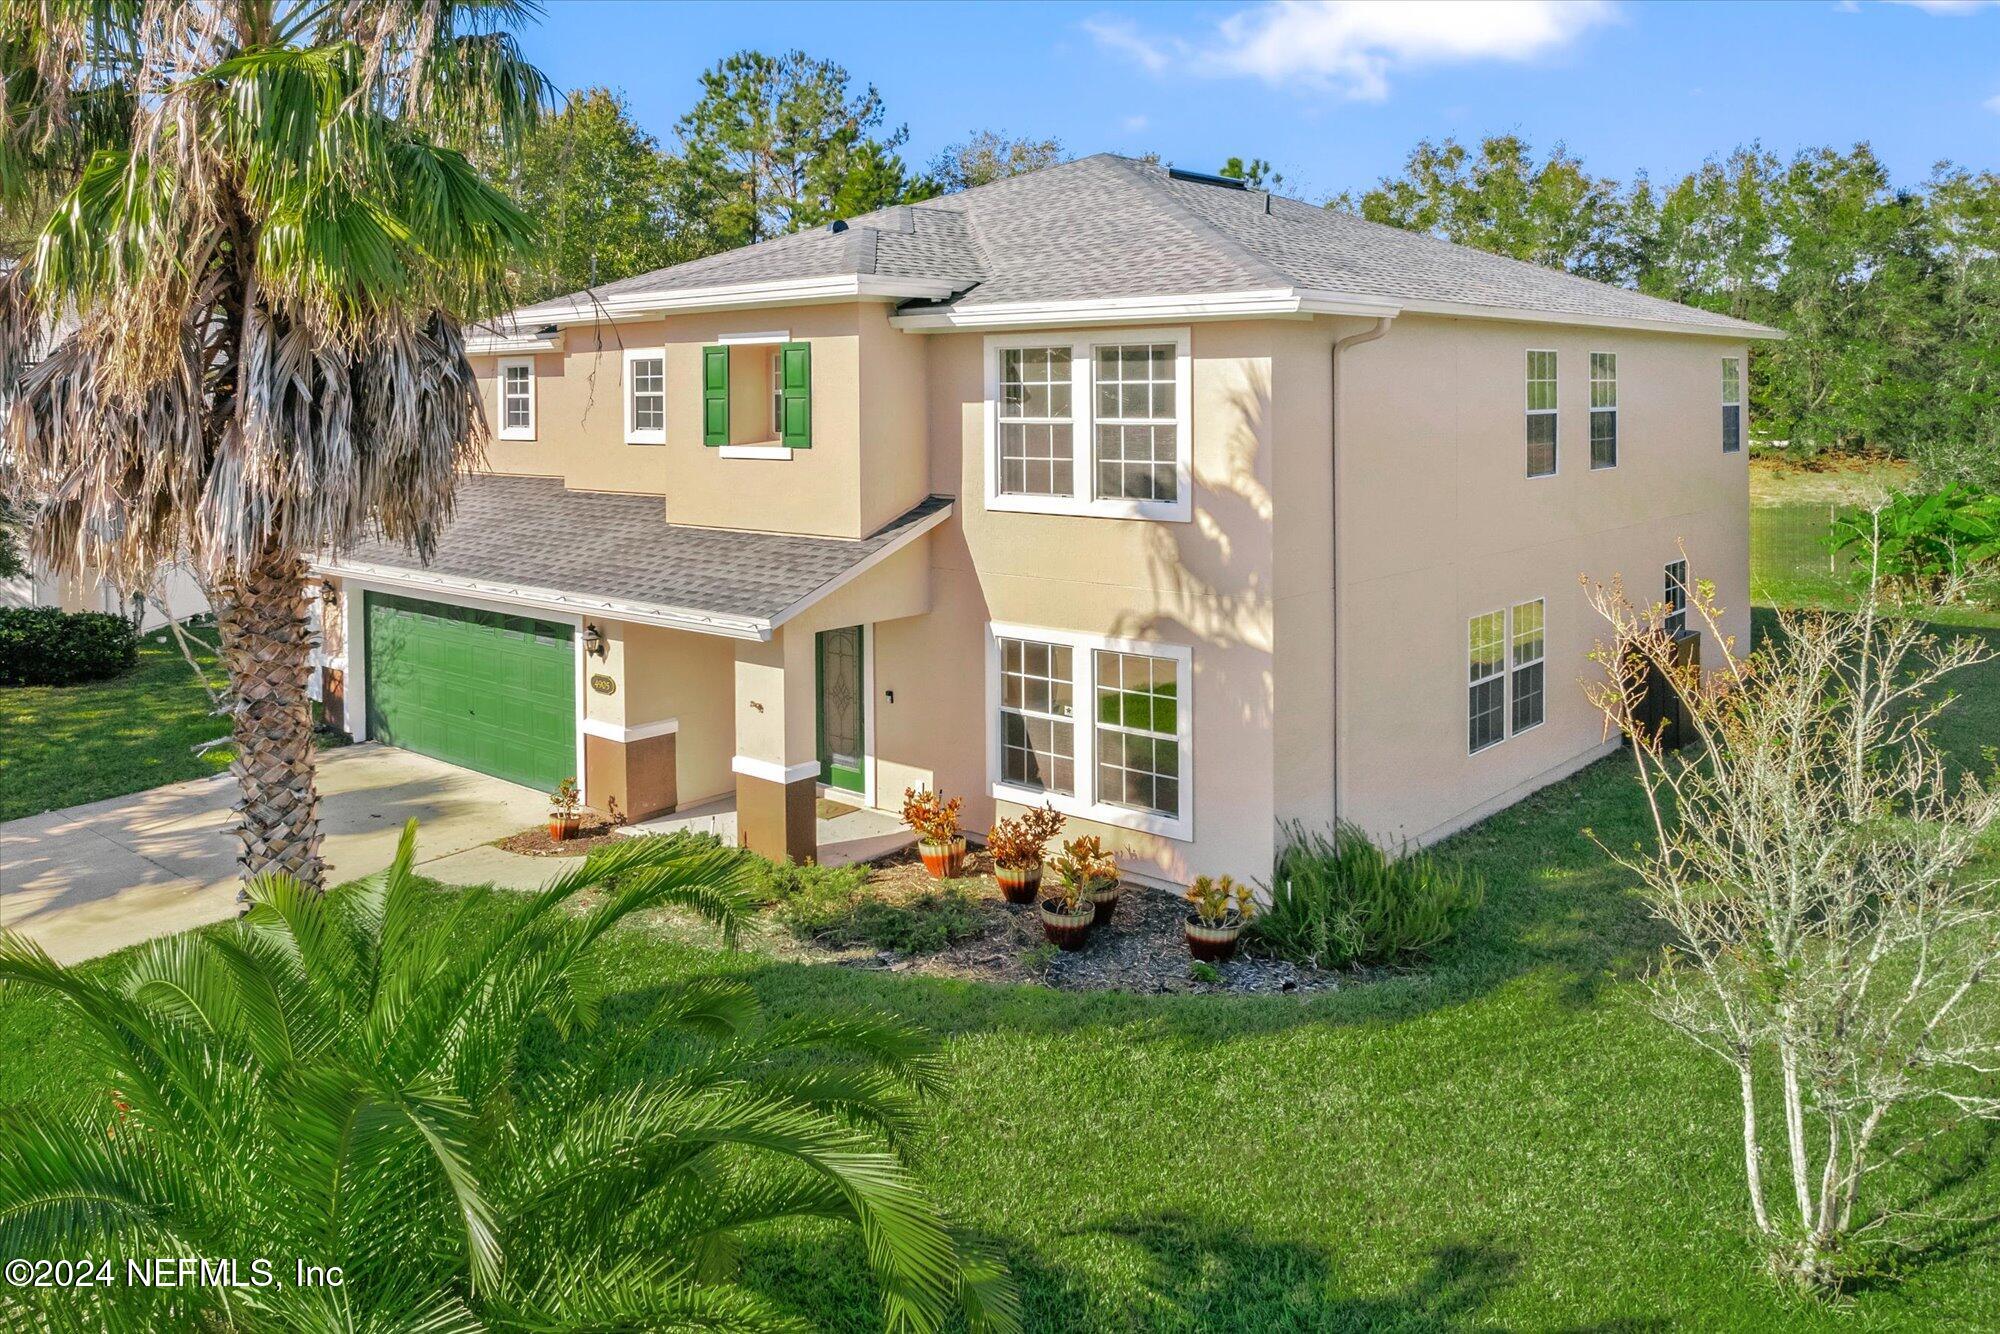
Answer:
[(1069, 910), (1220, 909), (1016, 848), (563, 803), (936, 823), (1105, 893)]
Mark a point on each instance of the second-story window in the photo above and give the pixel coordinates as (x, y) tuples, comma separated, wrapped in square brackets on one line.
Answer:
[(517, 400), (1732, 405), (1604, 409), (1541, 414), (645, 397), (1136, 421), (1037, 442), (1094, 423)]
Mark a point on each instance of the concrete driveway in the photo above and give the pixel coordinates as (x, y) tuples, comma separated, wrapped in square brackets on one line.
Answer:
[(92, 879)]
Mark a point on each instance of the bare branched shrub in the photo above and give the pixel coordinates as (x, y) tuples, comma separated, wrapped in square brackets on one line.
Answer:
[(1815, 860)]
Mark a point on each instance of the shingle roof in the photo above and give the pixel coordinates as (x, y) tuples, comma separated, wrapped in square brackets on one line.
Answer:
[(1108, 227), (530, 533)]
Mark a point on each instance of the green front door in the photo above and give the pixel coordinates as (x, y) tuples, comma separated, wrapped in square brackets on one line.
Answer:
[(842, 735), (491, 692)]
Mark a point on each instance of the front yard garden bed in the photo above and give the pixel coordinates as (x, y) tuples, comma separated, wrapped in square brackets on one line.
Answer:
[(891, 915)]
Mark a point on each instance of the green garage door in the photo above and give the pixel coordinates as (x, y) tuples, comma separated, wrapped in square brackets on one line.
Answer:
[(491, 692)]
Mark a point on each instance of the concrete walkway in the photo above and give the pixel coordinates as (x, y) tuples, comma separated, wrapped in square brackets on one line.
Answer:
[(96, 878)]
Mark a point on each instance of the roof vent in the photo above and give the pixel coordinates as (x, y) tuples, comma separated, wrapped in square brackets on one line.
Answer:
[(1205, 178), (838, 227)]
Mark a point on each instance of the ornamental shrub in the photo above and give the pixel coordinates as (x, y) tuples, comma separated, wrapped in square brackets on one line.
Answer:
[(44, 646), (1337, 899)]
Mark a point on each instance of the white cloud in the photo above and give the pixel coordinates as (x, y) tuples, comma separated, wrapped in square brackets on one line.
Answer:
[(1355, 45), (1992, 104), (1134, 124), (1124, 38), (1954, 8)]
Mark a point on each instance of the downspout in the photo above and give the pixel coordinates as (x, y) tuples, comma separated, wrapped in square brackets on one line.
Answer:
[(1368, 335)]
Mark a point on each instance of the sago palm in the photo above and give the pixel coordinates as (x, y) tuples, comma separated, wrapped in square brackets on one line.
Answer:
[(236, 340), (418, 1091)]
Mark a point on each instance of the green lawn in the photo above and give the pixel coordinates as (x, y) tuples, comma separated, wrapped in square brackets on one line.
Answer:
[(69, 744), (1504, 1139)]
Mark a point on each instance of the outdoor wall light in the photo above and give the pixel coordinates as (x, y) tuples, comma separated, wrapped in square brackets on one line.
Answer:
[(593, 642)]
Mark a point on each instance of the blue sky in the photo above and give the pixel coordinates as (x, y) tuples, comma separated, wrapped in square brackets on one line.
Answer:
[(1335, 94)]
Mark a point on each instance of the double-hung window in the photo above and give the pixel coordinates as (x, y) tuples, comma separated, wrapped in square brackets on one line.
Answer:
[(1541, 414), (517, 399), (1037, 434), (1092, 423), (1604, 409), (1125, 758), (645, 396), (1676, 598), (1732, 405), (1038, 716), (1506, 673)]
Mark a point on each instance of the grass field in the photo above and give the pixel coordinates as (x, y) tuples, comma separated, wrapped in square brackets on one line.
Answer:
[(69, 744), (1503, 1140)]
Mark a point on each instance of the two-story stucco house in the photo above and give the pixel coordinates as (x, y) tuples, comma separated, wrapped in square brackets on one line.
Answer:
[(1186, 508)]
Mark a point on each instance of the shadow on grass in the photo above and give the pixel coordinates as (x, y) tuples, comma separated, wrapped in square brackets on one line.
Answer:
[(1177, 1271)]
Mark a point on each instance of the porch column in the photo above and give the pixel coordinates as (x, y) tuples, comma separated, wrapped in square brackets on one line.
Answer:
[(777, 761)]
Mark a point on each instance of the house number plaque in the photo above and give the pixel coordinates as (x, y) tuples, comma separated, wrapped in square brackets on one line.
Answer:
[(603, 684)]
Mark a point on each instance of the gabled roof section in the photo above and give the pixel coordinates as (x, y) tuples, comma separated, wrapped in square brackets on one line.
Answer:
[(1116, 238)]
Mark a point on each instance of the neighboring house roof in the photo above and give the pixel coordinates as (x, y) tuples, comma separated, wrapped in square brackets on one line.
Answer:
[(1118, 238), (527, 540)]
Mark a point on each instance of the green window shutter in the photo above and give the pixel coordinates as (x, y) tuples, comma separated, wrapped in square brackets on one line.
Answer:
[(715, 395), (795, 362)]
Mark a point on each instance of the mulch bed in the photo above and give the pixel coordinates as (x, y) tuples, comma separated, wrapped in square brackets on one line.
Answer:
[(1141, 949), (592, 831)]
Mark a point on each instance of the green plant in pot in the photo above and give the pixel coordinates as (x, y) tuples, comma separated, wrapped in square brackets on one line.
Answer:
[(1219, 909), (935, 821), (1016, 845), (563, 810), (1069, 909), (1105, 893)]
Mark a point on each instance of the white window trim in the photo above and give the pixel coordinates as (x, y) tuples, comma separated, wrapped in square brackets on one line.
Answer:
[(1554, 412), (1617, 442), (1667, 585), (773, 452), (633, 435), (1083, 406), (1084, 805), (500, 384), (1506, 674)]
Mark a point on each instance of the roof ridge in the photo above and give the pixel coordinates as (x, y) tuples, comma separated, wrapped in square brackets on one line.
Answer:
[(1235, 249)]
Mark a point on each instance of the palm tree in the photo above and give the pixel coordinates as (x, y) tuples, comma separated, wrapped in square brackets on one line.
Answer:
[(415, 1089), (236, 341)]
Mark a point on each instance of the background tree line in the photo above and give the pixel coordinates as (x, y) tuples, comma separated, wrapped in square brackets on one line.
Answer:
[(1890, 295)]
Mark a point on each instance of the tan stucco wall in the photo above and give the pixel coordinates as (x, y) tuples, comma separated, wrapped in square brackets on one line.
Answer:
[(1438, 523), (1205, 583), (690, 678), (825, 490)]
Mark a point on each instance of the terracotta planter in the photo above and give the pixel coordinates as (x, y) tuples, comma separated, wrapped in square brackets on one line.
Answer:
[(1066, 930), (944, 861), (1106, 897), (1213, 944), (563, 827), (1019, 884)]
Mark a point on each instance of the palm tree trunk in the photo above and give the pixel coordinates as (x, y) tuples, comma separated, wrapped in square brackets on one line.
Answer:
[(266, 646)]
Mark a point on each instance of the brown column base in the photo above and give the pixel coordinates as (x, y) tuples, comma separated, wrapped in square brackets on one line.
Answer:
[(777, 820), (637, 777), (333, 698)]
